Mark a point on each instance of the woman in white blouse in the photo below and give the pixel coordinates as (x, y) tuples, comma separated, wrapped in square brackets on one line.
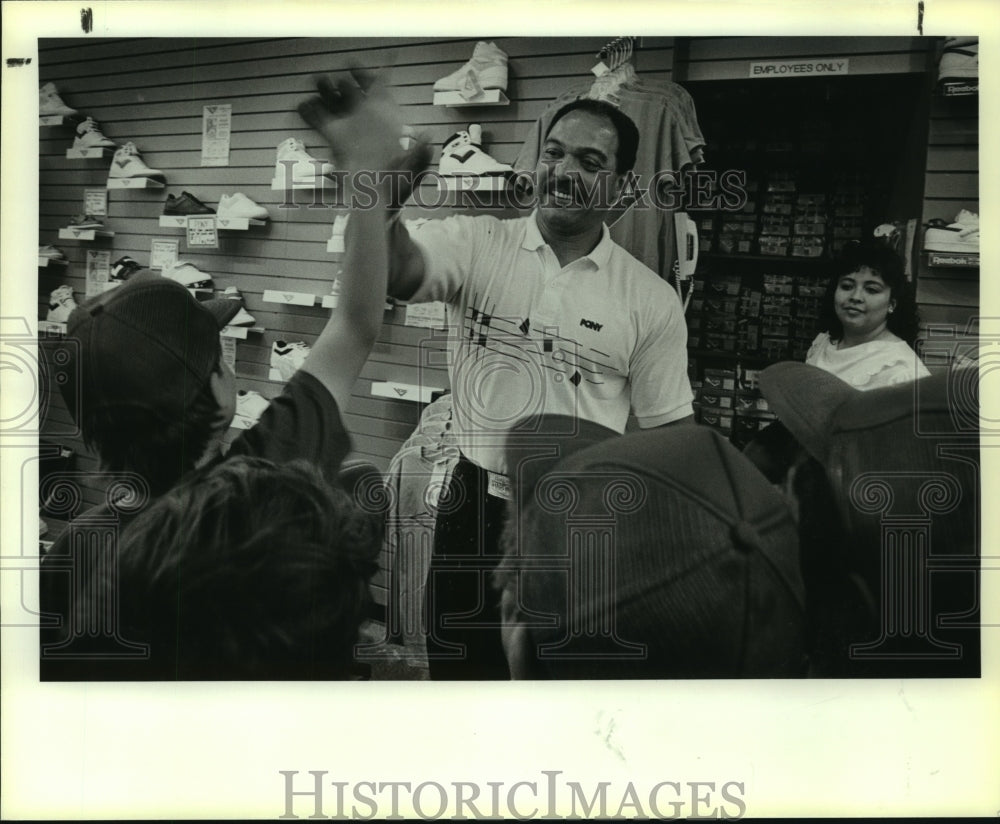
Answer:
[(870, 320)]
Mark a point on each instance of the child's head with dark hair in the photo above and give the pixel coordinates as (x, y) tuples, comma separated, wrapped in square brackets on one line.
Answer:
[(902, 318), (246, 570), (148, 374)]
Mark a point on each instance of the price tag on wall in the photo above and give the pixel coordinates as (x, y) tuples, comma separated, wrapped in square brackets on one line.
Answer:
[(98, 271), (162, 254), (216, 122), (201, 233), (95, 202), (429, 315), (228, 351)]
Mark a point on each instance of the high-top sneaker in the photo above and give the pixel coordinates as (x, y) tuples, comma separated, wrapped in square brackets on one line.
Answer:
[(188, 274), (61, 304), (959, 60), (286, 358), (90, 136), (487, 69), (50, 103), (128, 162), (242, 317), (960, 236), (122, 269), (250, 406), (463, 155), (306, 169)]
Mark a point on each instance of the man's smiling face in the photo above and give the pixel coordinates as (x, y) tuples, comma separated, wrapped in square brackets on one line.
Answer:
[(576, 177)]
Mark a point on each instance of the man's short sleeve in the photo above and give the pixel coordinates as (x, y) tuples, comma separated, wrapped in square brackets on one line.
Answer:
[(303, 422), (660, 388), (449, 249)]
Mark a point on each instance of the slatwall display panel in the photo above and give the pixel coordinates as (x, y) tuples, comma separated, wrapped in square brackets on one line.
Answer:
[(152, 92), (949, 296)]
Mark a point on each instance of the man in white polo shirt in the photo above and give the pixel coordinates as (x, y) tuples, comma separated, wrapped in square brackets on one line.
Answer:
[(548, 315)]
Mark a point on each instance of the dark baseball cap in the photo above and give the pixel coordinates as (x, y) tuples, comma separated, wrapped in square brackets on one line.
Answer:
[(659, 554), (892, 496), (147, 344)]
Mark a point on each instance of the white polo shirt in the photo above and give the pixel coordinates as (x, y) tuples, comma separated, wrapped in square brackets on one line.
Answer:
[(592, 339)]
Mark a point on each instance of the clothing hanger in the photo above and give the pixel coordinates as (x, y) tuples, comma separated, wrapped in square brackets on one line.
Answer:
[(614, 54), (614, 69)]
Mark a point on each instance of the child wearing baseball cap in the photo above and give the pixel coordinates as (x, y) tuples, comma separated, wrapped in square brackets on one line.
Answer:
[(155, 399)]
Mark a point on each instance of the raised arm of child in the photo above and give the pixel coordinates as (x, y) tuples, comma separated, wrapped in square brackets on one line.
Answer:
[(362, 125)]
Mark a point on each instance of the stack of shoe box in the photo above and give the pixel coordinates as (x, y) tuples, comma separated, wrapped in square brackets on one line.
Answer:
[(748, 329), (776, 313), (693, 318), (751, 413), (776, 217), (716, 399), (738, 230), (808, 299), (847, 209), (809, 228), (719, 314)]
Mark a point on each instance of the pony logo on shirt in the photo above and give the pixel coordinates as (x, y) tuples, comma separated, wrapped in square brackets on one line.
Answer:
[(590, 324)]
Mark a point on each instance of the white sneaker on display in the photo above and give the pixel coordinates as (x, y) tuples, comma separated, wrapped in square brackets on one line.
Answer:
[(50, 103), (61, 304), (339, 227), (239, 205), (188, 274), (306, 169), (286, 358), (487, 69), (960, 236), (127, 162), (51, 252), (959, 60), (250, 406), (243, 317), (90, 136), (463, 155)]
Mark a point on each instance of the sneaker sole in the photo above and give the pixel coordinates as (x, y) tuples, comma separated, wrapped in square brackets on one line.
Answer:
[(950, 246)]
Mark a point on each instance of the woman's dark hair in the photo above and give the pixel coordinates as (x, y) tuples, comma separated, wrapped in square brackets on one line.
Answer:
[(904, 321), (246, 570), (628, 133), (136, 439)]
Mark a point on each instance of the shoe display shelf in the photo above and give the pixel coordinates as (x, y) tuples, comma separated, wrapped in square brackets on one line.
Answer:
[(960, 88), (289, 298), (45, 262), (51, 328), (488, 97), (279, 184), (93, 153), (306, 299), (239, 224), (58, 120), (958, 260), (135, 183), (413, 392), (472, 183), (73, 233), (240, 332)]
